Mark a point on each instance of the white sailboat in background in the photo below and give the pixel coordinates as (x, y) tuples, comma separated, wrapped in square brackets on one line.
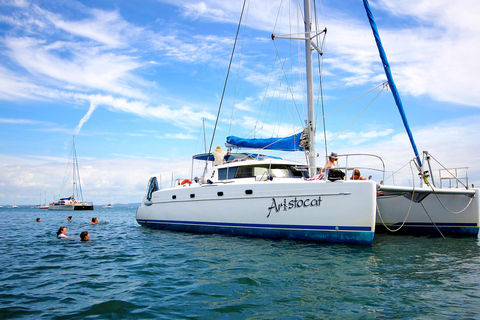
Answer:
[(262, 196), (72, 203), (109, 205), (44, 205)]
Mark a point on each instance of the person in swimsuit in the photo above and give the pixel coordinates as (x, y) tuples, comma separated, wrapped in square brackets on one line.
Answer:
[(85, 236), (62, 233)]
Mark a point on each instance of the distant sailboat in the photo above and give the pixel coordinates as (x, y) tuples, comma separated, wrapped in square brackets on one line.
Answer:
[(71, 203), (44, 205), (109, 205)]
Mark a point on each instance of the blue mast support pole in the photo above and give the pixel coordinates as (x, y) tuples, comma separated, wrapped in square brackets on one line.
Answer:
[(388, 73)]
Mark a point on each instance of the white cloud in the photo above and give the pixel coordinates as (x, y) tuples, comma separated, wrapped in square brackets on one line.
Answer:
[(435, 56), (103, 27), (85, 118), (184, 116), (19, 121), (180, 136), (123, 179), (83, 70)]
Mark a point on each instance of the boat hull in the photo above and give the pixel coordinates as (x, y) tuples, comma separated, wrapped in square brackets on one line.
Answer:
[(432, 216), (341, 212), (71, 207)]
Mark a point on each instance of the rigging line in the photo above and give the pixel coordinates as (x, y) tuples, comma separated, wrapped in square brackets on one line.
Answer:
[(79, 187), (357, 116), (409, 208), (384, 84), (452, 212), (466, 187), (438, 198), (199, 136), (393, 172), (238, 72), (226, 79), (270, 78), (320, 87), (288, 83), (278, 15), (269, 106), (265, 94), (318, 58), (291, 42)]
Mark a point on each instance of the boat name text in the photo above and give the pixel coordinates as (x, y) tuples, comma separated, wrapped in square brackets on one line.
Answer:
[(295, 203)]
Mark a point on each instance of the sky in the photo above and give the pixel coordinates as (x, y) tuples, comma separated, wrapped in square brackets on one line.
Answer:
[(139, 84)]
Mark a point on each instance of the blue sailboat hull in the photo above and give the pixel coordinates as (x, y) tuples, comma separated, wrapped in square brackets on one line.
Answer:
[(351, 235)]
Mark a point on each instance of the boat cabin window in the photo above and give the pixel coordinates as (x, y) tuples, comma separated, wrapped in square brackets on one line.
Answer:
[(227, 173), (276, 170)]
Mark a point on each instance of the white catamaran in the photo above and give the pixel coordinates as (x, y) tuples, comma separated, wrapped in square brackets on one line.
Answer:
[(257, 195), (72, 203)]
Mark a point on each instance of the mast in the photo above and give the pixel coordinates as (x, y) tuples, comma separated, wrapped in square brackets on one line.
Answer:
[(311, 116), (388, 73), (73, 171)]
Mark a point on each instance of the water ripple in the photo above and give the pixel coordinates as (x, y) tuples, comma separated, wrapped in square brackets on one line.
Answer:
[(131, 272)]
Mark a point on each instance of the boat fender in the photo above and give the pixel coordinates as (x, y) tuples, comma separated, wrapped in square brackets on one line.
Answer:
[(270, 177), (186, 181), (147, 202)]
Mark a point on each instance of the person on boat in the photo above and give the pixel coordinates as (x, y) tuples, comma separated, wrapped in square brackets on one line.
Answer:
[(69, 218), (357, 176), (85, 236), (331, 162), (331, 173), (62, 233), (38, 219), (94, 220), (219, 156)]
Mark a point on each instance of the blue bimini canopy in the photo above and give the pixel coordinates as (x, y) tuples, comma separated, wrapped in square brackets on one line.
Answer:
[(290, 143)]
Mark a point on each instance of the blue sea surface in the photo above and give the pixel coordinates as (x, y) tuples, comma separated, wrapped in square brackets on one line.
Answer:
[(132, 272)]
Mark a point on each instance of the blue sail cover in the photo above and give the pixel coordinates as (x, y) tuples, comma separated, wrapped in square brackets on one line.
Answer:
[(290, 143)]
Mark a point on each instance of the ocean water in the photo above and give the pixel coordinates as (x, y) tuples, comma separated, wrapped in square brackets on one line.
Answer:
[(132, 272)]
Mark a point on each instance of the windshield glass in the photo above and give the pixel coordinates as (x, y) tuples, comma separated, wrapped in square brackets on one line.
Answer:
[(258, 171)]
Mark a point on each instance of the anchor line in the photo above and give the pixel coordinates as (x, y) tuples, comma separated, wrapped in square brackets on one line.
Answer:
[(438, 229)]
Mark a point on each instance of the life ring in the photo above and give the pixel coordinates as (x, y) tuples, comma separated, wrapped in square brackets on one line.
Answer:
[(186, 181)]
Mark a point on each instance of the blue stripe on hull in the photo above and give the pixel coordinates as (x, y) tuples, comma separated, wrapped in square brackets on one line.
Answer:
[(352, 235), (447, 229)]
